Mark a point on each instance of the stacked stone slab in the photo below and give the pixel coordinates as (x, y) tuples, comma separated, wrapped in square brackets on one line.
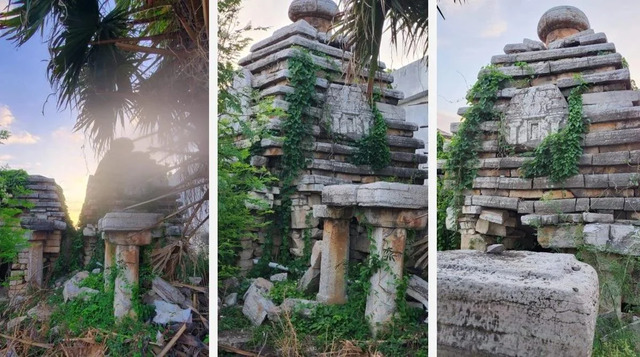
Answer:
[(598, 207), (46, 221), (343, 117)]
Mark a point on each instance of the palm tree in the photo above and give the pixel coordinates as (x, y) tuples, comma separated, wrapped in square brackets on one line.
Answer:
[(139, 61), (362, 22)]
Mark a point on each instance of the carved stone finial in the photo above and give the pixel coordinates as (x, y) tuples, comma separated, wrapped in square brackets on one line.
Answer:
[(560, 22), (318, 13)]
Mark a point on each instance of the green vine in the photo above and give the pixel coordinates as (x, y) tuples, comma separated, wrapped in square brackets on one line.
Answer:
[(461, 165), (296, 129), (12, 185), (373, 149), (559, 153)]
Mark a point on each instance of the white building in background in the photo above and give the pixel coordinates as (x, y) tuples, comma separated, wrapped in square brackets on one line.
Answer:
[(412, 80)]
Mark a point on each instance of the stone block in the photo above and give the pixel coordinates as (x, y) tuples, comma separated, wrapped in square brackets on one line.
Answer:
[(340, 195), (494, 216), (396, 218), (571, 182), (596, 181), (471, 210), (537, 220), (495, 202), (492, 229), (505, 305), (582, 204), (555, 206), (128, 221), (607, 203), (591, 217), (525, 207), (623, 180), (596, 234), (391, 194), (514, 183), (611, 158), (536, 56), (562, 236), (256, 304)]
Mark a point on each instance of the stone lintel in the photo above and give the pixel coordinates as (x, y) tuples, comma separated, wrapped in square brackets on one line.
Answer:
[(395, 218), (129, 238), (128, 221), (324, 211)]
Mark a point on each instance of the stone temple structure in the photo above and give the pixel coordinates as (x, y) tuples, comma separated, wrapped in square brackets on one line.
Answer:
[(125, 178), (343, 117), (46, 222), (594, 212)]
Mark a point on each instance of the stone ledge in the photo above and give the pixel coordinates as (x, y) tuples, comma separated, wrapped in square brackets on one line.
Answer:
[(128, 221)]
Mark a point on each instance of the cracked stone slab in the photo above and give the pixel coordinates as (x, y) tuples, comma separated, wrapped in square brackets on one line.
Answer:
[(504, 305), (128, 221)]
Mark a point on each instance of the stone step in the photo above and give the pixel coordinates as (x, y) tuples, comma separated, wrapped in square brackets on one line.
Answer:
[(558, 66), (343, 167), (619, 75)]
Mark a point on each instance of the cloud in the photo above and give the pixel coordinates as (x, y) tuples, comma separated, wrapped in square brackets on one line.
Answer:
[(6, 117), (22, 137), (496, 29), (5, 157), (67, 135)]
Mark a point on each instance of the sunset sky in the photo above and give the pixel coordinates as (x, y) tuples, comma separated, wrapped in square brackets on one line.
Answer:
[(475, 30)]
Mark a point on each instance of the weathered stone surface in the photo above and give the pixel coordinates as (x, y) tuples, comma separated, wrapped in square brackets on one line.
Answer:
[(300, 27), (596, 234), (381, 301), (310, 281), (471, 209), (561, 236), (576, 181), (392, 194), (596, 181), (607, 203), (494, 216), (525, 207), (559, 18), (492, 229), (591, 217), (231, 299), (618, 75), (256, 304), (539, 219), (534, 113), (396, 218), (536, 56), (495, 202), (504, 305), (334, 258), (324, 211), (340, 195), (128, 221), (555, 206), (301, 306), (623, 180), (71, 288), (587, 37)]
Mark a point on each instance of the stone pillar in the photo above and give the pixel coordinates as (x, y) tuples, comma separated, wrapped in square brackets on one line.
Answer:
[(109, 260), (389, 238), (124, 233), (35, 253), (335, 253), (391, 208)]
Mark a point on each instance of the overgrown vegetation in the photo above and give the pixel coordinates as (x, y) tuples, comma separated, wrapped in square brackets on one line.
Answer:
[(447, 239), (461, 166), (12, 240), (559, 153), (373, 148)]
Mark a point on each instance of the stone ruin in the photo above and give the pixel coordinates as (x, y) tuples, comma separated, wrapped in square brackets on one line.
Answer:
[(596, 209), (46, 222), (126, 178), (318, 204), (344, 114)]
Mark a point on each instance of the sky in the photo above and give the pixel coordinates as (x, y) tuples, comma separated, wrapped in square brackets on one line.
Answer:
[(42, 141), (475, 31)]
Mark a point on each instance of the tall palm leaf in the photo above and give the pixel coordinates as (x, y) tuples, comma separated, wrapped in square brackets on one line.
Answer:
[(362, 23)]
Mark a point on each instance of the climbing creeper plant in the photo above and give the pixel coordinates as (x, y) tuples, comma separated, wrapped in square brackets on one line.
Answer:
[(373, 149), (12, 184), (559, 153), (463, 152), (296, 128)]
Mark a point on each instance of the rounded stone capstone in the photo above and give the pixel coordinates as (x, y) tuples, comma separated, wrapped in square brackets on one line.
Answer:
[(128, 221), (322, 9), (560, 18)]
